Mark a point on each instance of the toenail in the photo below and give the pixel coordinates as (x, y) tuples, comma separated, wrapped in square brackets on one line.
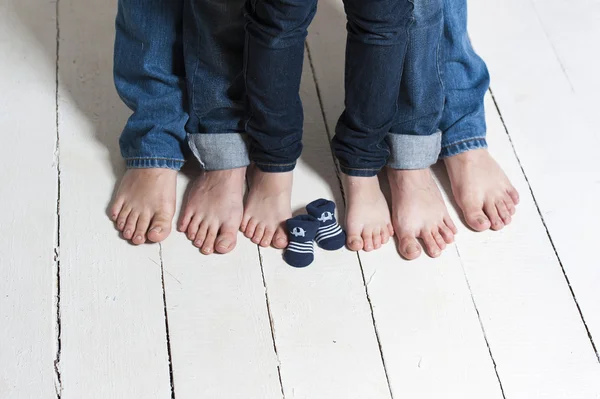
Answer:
[(121, 225), (224, 244), (481, 220), (412, 249), (127, 231), (156, 229), (139, 238)]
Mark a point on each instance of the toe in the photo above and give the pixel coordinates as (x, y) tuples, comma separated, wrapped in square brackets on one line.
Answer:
[(227, 238), (267, 238), (250, 228), (503, 212), (409, 248), (201, 234), (438, 239), (477, 219), (510, 205), (385, 236), (130, 225), (244, 224), (208, 247), (367, 237), (160, 227), (514, 195), (390, 229), (258, 234), (116, 208), (122, 218), (450, 223), (431, 246), (192, 229), (447, 234), (139, 237), (354, 242), (492, 213), (280, 240), (184, 222), (377, 239)]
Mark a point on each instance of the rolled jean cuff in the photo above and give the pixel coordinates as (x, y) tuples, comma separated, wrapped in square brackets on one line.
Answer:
[(148, 163), (463, 146), (362, 172), (275, 168), (412, 151), (219, 151)]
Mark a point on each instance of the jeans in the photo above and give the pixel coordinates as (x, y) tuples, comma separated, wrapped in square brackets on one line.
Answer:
[(466, 80), (447, 98), (169, 98), (377, 41)]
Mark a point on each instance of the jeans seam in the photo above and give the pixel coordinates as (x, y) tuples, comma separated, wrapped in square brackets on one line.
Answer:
[(365, 169), (464, 141), (153, 159), (275, 164)]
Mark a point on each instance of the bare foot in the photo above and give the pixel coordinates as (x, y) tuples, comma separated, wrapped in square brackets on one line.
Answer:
[(213, 211), (368, 222), (482, 190), (144, 206), (419, 211), (268, 206)]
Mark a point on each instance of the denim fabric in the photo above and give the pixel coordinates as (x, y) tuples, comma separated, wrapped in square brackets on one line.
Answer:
[(276, 30), (448, 97), (152, 37), (414, 140), (213, 32), (466, 80), (149, 77)]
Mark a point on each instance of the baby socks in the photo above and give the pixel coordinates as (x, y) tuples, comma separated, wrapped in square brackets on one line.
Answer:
[(330, 235), (302, 231), (320, 226)]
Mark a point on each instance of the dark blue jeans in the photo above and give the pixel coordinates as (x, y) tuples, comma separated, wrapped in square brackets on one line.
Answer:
[(375, 49)]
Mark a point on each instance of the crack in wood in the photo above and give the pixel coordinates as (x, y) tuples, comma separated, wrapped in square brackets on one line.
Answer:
[(168, 335), (539, 211), (56, 254), (341, 187)]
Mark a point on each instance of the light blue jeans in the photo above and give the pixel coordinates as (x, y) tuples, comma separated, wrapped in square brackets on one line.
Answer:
[(177, 105), (440, 107), (198, 103)]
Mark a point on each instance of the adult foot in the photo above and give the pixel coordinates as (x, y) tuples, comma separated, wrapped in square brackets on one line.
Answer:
[(419, 211), (368, 223), (144, 206), (481, 190), (267, 208), (213, 210)]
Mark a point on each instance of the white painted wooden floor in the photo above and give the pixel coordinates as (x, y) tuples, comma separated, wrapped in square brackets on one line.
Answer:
[(512, 314)]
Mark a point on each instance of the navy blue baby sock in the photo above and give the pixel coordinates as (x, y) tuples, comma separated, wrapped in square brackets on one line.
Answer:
[(330, 235), (300, 251)]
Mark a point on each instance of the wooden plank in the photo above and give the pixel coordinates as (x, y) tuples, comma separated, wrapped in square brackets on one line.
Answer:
[(430, 334), (519, 370), (28, 200), (219, 327), (546, 104), (113, 327), (322, 322), (533, 327), (570, 27)]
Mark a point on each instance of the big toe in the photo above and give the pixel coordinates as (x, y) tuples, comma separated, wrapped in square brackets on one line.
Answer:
[(160, 228), (409, 248), (477, 219), (226, 240), (354, 241), (280, 240)]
